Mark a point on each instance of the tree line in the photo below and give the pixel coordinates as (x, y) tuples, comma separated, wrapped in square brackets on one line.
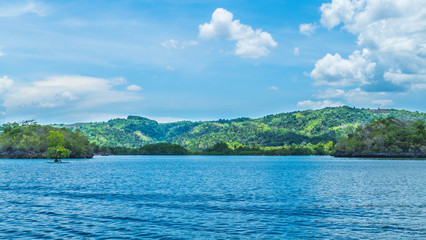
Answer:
[(221, 149)]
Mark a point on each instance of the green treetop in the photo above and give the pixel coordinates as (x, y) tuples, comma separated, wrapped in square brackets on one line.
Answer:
[(56, 149)]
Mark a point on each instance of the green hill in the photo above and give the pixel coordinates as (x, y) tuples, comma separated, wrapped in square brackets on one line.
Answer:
[(310, 126), (388, 137)]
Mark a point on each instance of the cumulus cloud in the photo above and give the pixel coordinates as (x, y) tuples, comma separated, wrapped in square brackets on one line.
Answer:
[(338, 11), (73, 92), (318, 104), (412, 81), (383, 102), (174, 44), (330, 93), (21, 8), (250, 43), (333, 70), (356, 96), (273, 88), (393, 32), (5, 83), (307, 28), (133, 87)]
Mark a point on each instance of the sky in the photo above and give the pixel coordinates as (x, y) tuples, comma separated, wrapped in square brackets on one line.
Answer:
[(170, 60)]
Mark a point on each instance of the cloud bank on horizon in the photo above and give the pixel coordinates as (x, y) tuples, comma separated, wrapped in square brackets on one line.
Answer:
[(215, 61), (66, 94)]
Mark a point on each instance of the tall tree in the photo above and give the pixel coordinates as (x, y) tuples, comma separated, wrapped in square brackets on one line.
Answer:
[(56, 149)]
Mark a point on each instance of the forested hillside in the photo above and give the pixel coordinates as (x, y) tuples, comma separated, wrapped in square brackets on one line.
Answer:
[(310, 126), (388, 137)]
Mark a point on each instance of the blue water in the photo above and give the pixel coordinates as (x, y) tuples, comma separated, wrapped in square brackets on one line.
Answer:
[(213, 197)]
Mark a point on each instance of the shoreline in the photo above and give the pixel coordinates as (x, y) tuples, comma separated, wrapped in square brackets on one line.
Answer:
[(378, 155)]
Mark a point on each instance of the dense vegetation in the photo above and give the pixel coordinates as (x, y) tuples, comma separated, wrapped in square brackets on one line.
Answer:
[(31, 140), (293, 149), (285, 129), (388, 137), (311, 132), (150, 149), (221, 149)]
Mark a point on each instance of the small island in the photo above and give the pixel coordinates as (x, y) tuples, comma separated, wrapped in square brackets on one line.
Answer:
[(385, 138), (30, 140)]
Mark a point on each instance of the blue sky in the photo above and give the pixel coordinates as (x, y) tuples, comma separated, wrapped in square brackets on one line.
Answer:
[(72, 61)]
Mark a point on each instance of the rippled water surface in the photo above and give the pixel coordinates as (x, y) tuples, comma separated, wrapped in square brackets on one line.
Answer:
[(133, 197)]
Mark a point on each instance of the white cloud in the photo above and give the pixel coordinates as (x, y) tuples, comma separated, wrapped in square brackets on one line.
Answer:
[(330, 93), (5, 83), (339, 11), (333, 70), (273, 88), (118, 81), (170, 68), (21, 8), (356, 96), (394, 33), (174, 44), (296, 51), (222, 25), (307, 28), (419, 86), (133, 87), (250, 43), (360, 97), (412, 81), (319, 104), (170, 44), (256, 46), (74, 92), (383, 102)]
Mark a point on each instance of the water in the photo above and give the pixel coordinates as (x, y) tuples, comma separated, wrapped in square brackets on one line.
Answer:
[(213, 197)]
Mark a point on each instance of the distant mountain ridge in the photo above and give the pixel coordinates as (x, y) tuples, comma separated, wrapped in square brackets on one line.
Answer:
[(309, 126)]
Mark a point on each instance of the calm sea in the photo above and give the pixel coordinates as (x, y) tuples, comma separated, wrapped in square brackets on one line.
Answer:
[(213, 197)]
